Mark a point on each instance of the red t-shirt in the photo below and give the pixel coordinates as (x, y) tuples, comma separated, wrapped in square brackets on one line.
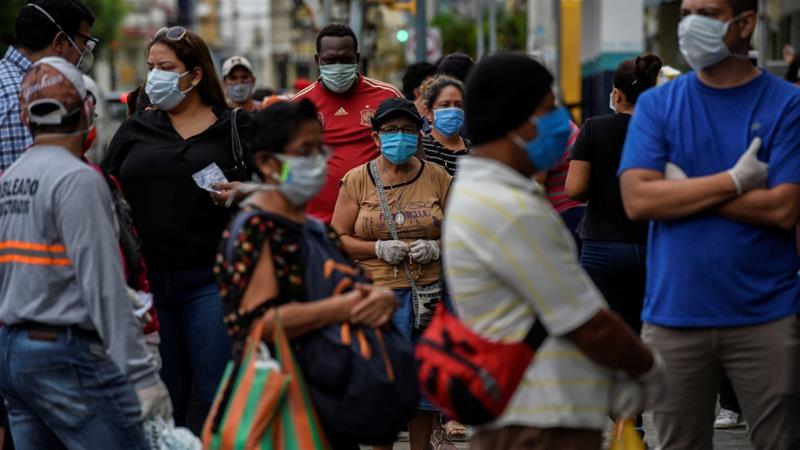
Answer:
[(347, 130)]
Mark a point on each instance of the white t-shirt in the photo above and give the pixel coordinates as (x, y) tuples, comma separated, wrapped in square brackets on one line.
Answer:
[(509, 258)]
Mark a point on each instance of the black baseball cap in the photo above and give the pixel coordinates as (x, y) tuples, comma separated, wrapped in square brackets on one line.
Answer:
[(394, 107)]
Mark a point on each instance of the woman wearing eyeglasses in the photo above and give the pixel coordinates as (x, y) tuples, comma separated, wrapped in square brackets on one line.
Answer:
[(154, 155), (261, 268), (395, 235)]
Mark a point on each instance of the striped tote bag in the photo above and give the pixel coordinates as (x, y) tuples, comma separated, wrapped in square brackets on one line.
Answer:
[(263, 403)]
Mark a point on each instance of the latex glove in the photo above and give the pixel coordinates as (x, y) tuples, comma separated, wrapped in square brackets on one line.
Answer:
[(627, 397), (654, 381), (423, 251), (674, 172), (155, 401), (392, 251), (749, 173), (152, 342)]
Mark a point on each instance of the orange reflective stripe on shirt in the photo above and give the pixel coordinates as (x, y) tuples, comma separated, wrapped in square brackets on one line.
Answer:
[(33, 253)]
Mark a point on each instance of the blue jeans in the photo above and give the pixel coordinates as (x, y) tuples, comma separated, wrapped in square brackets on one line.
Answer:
[(618, 270), (195, 346), (65, 393)]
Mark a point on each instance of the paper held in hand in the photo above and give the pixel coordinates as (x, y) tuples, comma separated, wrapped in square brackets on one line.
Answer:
[(209, 176)]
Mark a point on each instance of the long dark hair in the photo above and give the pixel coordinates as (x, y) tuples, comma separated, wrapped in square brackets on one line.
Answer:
[(193, 52), (635, 76)]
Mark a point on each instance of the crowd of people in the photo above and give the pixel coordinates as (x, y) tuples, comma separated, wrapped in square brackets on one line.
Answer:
[(355, 219)]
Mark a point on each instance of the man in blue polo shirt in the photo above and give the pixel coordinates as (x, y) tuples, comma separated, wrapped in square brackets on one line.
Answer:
[(722, 291)]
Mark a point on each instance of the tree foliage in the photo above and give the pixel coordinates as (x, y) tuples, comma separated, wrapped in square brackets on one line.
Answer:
[(108, 20), (459, 34)]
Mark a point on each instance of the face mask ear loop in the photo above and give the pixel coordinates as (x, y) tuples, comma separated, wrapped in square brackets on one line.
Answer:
[(517, 139)]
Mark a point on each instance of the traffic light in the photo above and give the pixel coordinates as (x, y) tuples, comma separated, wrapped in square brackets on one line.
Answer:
[(402, 35)]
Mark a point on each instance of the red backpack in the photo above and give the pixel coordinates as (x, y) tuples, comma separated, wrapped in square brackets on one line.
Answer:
[(470, 378)]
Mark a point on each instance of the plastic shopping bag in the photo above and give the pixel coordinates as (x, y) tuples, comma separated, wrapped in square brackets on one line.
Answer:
[(625, 436)]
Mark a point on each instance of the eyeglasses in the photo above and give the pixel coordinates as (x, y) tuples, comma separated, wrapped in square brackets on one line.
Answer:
[(395, 130), (91, 42), (174, 34)]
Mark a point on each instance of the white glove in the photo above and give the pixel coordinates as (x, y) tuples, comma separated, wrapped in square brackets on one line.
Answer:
[(155, 401), (392, 251), (152, 342), (674, 172), (627, 397), (654, 381), (423, 251), (749, 173)]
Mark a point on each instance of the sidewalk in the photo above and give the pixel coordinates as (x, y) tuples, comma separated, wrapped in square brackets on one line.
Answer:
[(723, 439)]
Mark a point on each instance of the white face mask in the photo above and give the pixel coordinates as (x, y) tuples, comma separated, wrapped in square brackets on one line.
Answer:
[(702, 40), (301, 179), (163, 88), (611, 101)]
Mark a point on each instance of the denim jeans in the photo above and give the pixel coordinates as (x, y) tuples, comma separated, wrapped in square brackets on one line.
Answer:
[(618, 271), (66, 393), (195, 346)]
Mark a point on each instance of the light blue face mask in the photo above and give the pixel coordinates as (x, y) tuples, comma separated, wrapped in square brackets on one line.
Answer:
[(448, 121), (702, 40), (398, 148), (550, 143), (339, 78), (162, 88)]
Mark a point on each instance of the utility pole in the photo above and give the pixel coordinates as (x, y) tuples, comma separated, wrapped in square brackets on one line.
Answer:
[(761, 34), (492, 27), (481, 47), (326, 12), (421, 25), (357, 18)]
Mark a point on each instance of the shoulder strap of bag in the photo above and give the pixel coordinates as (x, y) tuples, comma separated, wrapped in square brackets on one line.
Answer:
[(236, 146), (387, 216), (536, 335)]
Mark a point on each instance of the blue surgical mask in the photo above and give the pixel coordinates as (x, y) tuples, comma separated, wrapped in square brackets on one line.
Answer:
[(339, 78), (398, 148), (550, 143), (240, 92), (448, 121), (163, 89)]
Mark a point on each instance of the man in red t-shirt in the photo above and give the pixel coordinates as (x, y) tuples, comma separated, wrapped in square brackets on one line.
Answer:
[(346, 102)]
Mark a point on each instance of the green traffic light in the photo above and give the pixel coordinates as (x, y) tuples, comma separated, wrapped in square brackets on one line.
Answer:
[(402, 35)]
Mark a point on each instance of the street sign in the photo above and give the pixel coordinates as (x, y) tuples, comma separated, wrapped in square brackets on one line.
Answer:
[(434, 45)]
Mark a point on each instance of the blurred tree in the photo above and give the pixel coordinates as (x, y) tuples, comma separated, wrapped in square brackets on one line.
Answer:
[(459, 34), (107, 24)]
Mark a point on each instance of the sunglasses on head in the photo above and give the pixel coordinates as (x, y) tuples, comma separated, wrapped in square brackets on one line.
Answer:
[(173, 34)]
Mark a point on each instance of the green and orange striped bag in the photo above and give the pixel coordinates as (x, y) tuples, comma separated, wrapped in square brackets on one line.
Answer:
[(263, 404)]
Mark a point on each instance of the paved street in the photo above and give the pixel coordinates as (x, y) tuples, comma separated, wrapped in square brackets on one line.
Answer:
[(728, 439)]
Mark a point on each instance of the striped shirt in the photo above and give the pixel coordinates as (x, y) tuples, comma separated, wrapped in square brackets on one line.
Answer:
[(557, 177), (508, 258), (437, 153), (14, 135)]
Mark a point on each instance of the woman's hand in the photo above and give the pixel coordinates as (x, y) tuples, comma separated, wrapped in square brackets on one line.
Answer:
[(392, 251), (225, 191), (423, 251), (376, 307)]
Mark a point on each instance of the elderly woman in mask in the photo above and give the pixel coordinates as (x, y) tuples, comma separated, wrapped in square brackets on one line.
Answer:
[(389, 215), (260, 269)]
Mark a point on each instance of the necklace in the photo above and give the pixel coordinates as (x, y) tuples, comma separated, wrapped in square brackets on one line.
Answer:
[(399, 218)]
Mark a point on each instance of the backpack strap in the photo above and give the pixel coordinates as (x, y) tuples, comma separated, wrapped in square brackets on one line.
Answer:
[(236, 225), (536, 335)]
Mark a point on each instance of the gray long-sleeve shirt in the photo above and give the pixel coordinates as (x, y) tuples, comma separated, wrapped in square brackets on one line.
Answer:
[(60, 261)]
